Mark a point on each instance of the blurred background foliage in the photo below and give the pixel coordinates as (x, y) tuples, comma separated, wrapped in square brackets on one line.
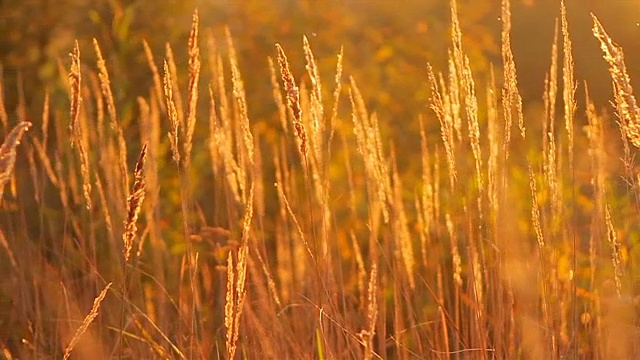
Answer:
[(386, 49), (386, 45)]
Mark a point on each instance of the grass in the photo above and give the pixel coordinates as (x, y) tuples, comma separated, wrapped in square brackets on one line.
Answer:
[(516, 241)]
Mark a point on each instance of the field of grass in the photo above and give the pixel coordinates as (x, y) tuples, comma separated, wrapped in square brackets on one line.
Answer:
[(192, 233)]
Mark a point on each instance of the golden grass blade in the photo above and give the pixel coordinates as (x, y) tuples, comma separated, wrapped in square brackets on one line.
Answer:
[(616, 252), (241, 101), (511, 96), (277, 96), (569, 84), (8, 154), (134, 204), (174, 122), (194, 78), (628, 111), (75, 81), (86, 322), (237, 283), (293, 99)]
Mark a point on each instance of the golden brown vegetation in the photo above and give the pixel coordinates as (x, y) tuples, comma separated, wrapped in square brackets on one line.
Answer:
[(313, 244)]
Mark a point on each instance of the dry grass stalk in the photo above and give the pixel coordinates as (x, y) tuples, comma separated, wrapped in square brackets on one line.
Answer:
[(404, 246), (372, 314), (455, 252), (157, 83), (315, 111), (535, 210), (46, 163), (550, 93), (336, 93), (194, 77), (293, 99), (174, 123), (45, 118), (467, 85), (7, 248), (236, 283), (150, 134), (367, 132), (175, 88), (97, 94), (21, 108), (75, 80), (4, 119), (597, 155), (628, 111), (277, 96), (134, 204), (442, 107), (569, 84), (104, 206), (86, 322), (549, 147), (511, 98), (616, 255), (425, 207), (8, 153), (105, 86), (221, 152), (271, 284), (493, 135), (241, 102), (84, 168)]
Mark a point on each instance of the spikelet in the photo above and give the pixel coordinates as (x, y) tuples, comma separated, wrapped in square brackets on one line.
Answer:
[(511, 97), (336, 92), (174, 123), (463, 68), (569, 85), (134, 204), (175, 88), (372, 313), (75, 82), (628, 111), (241, 100), (441, 107), (8, 154), (236, 283), (277, 96), (616, 256), (194, 77), (86, 322), (293, 99), (535, 209)]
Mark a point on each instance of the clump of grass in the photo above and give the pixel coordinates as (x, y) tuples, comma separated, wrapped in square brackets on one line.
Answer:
[(346, 256)]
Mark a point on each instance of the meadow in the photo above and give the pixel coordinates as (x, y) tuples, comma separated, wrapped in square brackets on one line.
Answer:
[(192, 231)]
